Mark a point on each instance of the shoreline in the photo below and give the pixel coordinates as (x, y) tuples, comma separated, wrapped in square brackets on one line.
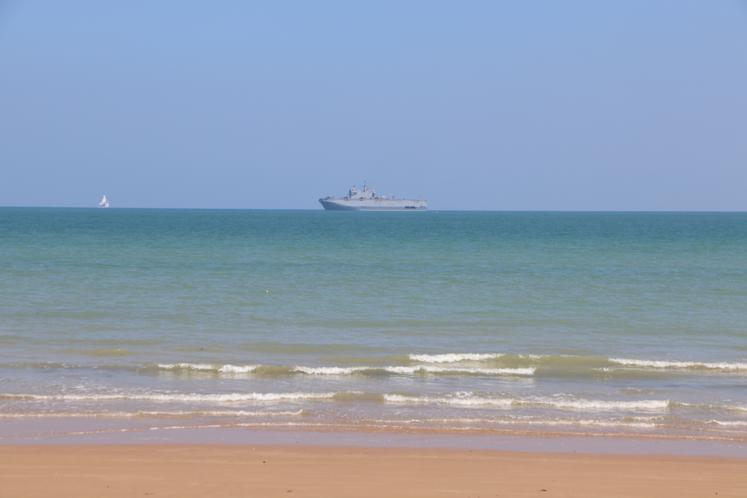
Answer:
[(309, 471), (344, 437)]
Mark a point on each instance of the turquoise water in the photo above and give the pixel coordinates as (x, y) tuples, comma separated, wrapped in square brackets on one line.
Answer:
[(613, 323)]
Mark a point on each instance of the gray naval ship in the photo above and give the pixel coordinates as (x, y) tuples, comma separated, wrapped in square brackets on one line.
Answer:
[(367, 200)]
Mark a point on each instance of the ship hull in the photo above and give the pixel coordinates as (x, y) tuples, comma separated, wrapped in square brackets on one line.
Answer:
[(373, 205)]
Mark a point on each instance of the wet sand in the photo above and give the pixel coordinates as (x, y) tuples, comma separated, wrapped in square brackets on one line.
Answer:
[(266, 471)]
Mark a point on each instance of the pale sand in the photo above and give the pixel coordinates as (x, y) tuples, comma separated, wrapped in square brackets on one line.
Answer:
[(268, 471)]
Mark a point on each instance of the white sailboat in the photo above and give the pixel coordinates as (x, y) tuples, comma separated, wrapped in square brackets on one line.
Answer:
[(104, 202)]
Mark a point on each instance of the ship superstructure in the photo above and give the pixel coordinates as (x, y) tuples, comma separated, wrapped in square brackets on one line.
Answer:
[(368, 200)]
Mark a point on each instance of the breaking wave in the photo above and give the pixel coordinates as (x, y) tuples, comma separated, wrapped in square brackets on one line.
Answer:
[(558, 362), (175, 397), (488, 364), (460, 399), (559, 403), (681, 365), (154, 414), (280, 370), (206, 367), (454, 357), (239, 404), (625, 423)]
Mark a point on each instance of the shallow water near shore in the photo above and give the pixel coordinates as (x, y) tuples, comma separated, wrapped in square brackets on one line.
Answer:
[(599, 324)]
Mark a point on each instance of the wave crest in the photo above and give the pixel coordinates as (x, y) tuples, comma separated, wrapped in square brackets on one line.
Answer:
[(280, 370), (680, 365), (558, 363), (559, 403)]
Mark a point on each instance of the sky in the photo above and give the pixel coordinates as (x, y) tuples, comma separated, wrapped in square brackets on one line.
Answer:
[(487, 105)]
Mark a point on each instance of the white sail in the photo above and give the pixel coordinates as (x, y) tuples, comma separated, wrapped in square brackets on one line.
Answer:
[(104, 202)]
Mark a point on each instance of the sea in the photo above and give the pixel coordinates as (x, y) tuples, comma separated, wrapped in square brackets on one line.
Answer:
[(528, 323)]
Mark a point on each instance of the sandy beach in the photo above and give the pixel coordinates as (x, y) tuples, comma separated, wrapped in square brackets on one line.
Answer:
[(266, 471)]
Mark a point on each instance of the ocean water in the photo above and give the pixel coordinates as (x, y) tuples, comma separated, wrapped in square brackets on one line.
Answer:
[(630, 324)]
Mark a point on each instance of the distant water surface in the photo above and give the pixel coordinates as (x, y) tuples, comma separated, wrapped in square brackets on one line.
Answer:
[(573, 323)]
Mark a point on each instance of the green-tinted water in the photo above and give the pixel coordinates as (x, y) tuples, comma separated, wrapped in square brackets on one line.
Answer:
[(618, 322)]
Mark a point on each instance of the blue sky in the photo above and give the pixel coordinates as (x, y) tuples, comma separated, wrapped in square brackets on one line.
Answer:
[(577, 105)]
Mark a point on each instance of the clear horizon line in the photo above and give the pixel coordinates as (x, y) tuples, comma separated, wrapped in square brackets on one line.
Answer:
[(505, 210)]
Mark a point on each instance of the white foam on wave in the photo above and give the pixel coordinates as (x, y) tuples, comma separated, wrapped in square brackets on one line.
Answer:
[(578, 422), (411, 370), (666, 364), (333, 370), (175, 397), (454, 357), (237, 369), (533, 421), (469, 400), (187, 366), (463, 370), (183, 427), (590, 423), (728, 423), (461, 399), (630, 362), (156, 414), (329, 370), (599, 405), (246, 369), (439, 364), (711, 406), (206, 367)]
